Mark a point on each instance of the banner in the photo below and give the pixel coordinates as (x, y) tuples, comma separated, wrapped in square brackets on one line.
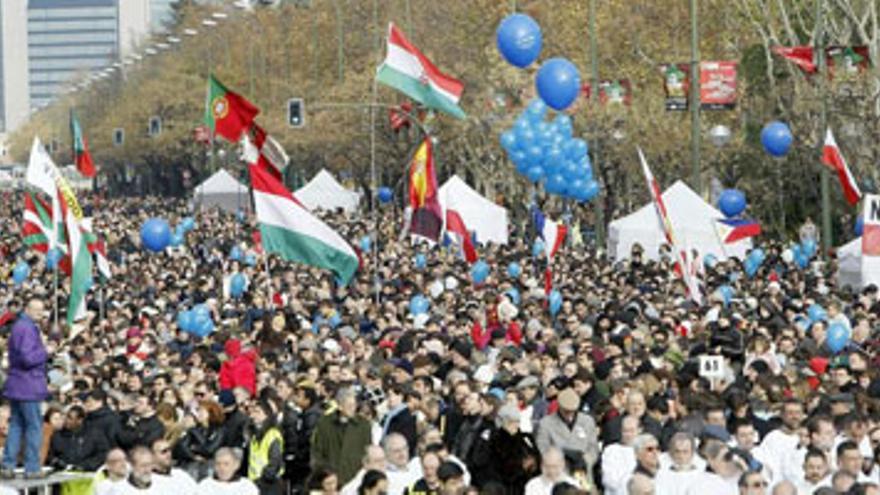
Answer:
[(847, 62), (676, 83), (718, 85), (871, 240), (611, 92)]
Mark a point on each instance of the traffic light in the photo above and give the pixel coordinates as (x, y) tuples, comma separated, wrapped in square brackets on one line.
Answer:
[(155, 126), (296, 113), (118, 136)]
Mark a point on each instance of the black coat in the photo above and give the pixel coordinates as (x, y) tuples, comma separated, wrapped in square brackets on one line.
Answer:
[(471, 445), (195, 449), (140, 432), (509, 456), (82, 449), (233, 429), (105, 422), (405, 423)]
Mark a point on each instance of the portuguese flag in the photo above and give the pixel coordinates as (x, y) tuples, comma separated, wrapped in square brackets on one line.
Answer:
[(409, 71), (227, 113), (290, 231), (81, 155)]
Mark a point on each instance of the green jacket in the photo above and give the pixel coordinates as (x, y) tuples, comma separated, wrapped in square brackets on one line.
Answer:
[(340, 445)]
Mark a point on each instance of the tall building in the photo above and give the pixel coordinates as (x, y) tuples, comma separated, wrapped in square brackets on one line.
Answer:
[(160, 14), (14, 98)]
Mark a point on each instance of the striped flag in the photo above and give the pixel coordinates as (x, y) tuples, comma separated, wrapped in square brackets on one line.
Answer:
[(263, 150), (553, 235), (832, 157), (666, 224), (455, 225), (37, 228), (409, 71), (731, 230), (290, 231)]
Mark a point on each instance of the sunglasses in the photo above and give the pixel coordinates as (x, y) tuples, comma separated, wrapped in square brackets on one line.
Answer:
[(757, 484)]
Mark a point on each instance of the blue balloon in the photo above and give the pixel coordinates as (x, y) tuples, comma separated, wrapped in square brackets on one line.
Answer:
[(758, 255), (576, 149), (480, 272), (514, 270), (555, 302), (837, 337), (235, 253), (237, 285), (188, 223), (732, 202), (709, 261), (860, 226), (555, 158), (421, 261), (525, 136), (535, 173), (519, 40), (241, 215), (809, 247), (563, 121), (520, 161), (385, 195), (558, 83), (155, 234), (20, 272), (203, 328), (571, 171), (535, 112), (776, 138), (537, 248), (513, 293), (185, 320), (176, 240), (178, 231), (726, 293), (534, 155), (509, 141), (334, 320), (556, 184), (418, 304), (250, 259), (816, 313), (802, 260), (53, 256), (593, 189), (577, 189), (201, 312), (366, 244)]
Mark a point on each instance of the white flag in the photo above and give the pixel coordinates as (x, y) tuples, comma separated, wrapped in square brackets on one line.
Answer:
[(41, 173)]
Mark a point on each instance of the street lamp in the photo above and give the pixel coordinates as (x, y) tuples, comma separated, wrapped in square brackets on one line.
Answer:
[(150, 51), (208, 23), (720, 135)]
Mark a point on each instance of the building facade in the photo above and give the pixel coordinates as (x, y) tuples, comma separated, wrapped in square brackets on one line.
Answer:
[(14, 96)]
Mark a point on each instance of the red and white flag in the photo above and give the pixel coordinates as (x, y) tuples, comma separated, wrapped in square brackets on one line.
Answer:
[(666, 224), (455, 225), (832, 157)]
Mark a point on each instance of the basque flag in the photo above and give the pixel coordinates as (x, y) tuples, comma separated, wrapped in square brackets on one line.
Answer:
[(731, 230)]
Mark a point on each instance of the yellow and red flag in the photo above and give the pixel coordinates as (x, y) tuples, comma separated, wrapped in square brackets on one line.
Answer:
[(427, 216)]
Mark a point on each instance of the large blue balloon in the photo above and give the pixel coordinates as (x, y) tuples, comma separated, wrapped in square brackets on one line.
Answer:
[(185, 320), (418, 304), (816, 313), (556, 184), (366, 244), (558, 83), (514, 270), (237, 285), (235, 253), (155, 234), (809, 247), (537, 248), (385, 195), (555, 302), (53, 256), (860, 226), (480, 272), (776, 138), (519, 39), (837, 337), (20, 272), (188, 223), (732, 202)]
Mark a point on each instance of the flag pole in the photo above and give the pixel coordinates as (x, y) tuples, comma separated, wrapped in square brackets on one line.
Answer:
[(55, 296), (373, 192)]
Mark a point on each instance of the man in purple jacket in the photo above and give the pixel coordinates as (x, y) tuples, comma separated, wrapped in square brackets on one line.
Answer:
[(25, 389)]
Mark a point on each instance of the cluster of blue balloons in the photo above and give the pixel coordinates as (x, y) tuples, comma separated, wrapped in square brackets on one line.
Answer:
[(419, 304), (21, 272), (753, 261), (732, 202), (238, 285), (555, 302), (514, 270), (776, 138), (186, 224), (802, 253), (236, 254), (385, 195), (53, 257), (545, 151), (519, 40), (196, 321), (156, 234), (480, 272)]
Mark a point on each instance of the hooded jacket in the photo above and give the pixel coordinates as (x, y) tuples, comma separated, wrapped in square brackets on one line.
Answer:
[(26, 380), (239, 370)]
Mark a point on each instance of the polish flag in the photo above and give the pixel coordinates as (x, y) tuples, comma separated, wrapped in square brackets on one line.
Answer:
[(832, 157)]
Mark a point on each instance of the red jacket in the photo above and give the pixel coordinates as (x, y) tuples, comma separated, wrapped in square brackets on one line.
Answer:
[(239, 370), (482, 338)]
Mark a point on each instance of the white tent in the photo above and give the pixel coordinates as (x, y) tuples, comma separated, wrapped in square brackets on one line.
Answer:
[(325, 192), (481, 215), (849, 264), (222, 190), (692, 219)]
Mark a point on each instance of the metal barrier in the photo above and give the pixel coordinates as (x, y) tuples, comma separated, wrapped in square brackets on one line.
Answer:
[(44, 485)]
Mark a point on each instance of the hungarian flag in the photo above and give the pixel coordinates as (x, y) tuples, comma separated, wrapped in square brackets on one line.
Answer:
[(731, 230), (81, 155), (802, 56), (409, 71), (668, 232), (290, 231), (832, 157), (553, 235), (266, 152), (427, 217), (227, 113), (455, 225)]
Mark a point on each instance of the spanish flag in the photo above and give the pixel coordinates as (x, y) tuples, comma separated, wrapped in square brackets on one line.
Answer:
[(427, 217)]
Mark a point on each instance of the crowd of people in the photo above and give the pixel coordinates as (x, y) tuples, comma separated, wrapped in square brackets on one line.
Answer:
[(305, 386)]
